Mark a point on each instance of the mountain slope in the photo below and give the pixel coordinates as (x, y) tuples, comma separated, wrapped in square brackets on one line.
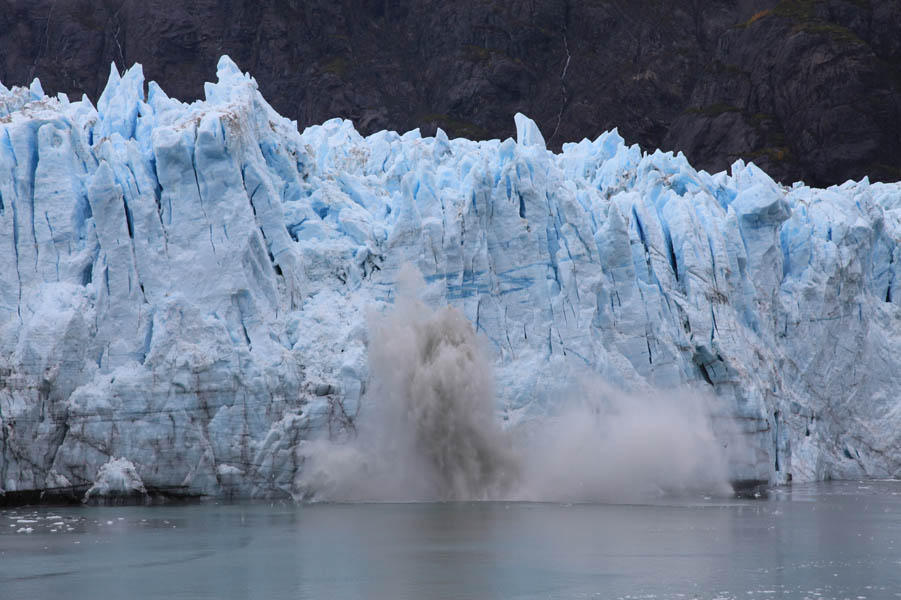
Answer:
[(808, 89)]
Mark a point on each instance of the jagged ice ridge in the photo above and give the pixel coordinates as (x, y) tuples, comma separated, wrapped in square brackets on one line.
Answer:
[(184, 286)]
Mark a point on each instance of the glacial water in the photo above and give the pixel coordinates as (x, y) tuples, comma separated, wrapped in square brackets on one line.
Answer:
[(832, 540)]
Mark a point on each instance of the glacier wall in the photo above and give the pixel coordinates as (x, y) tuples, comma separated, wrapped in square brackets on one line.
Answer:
[(185, 286)]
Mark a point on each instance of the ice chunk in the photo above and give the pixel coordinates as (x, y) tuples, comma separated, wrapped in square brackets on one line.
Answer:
[(116, 481)]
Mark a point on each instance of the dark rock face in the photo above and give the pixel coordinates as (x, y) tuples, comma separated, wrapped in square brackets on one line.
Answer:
[(807, 89)]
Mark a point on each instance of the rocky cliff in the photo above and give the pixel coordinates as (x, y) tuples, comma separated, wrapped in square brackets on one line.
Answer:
[(808, 89)]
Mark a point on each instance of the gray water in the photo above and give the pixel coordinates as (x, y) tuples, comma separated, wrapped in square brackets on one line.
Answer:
[(833, 540)]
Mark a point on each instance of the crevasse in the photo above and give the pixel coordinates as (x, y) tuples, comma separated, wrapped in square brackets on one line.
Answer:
[(185, 285)]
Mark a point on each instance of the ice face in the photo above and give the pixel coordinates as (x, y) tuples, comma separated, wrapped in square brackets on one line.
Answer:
[(185, 286)]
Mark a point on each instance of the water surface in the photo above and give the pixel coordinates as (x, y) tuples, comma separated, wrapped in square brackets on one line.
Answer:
[(833, 540)]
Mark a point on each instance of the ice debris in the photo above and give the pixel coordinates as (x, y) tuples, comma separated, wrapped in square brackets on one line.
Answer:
[(117, 481)]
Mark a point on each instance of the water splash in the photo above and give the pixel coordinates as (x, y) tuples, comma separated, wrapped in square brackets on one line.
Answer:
[(430, 431)]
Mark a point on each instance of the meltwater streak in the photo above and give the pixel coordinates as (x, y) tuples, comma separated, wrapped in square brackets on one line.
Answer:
[(429, 431)]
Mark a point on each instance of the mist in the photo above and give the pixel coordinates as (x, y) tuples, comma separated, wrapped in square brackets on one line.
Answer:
[(429, 430), (613, 446)]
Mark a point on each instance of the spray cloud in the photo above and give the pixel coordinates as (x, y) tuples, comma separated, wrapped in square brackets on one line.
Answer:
[(429, 431)]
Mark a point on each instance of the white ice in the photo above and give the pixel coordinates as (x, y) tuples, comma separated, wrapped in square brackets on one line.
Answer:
[(184, 286)]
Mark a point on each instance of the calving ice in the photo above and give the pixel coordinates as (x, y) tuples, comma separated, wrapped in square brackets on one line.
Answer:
[(190, 288)]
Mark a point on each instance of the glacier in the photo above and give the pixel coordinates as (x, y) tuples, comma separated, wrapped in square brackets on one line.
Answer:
[(183, 287)]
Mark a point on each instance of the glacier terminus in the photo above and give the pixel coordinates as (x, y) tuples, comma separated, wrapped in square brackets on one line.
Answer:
[(184, 287)]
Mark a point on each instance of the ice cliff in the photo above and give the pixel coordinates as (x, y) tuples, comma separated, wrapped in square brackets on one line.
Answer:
[(184, 286)]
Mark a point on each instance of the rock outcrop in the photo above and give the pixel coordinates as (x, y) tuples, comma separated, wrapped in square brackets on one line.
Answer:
[(807, 89)]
